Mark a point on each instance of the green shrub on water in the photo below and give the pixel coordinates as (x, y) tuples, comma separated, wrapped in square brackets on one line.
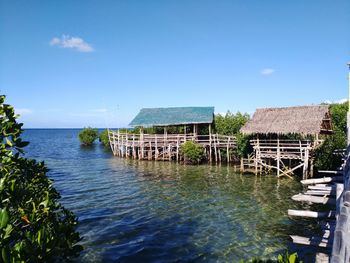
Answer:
[(103, 138), (285, 258), (34, 226), (88, 135), (192, 152)]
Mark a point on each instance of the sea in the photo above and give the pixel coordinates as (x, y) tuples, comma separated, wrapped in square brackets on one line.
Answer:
[(155, 211)]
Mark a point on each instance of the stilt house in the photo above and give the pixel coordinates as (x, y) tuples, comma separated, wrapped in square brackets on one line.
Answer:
[(165, 145), (272, 127)]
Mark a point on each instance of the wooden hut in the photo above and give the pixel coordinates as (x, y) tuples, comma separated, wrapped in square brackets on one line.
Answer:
[(271, 127), (165, 145)]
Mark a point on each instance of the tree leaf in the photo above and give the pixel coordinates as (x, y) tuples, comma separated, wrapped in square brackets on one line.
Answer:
[(4, 218)]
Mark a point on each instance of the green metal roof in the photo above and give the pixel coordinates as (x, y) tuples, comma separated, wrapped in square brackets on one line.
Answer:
[(173, 116)]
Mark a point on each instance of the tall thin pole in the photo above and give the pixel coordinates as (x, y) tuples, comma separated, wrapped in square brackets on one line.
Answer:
[(348, 114)]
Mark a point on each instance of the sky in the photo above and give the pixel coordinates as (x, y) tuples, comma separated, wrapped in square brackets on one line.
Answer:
[(71, 64)]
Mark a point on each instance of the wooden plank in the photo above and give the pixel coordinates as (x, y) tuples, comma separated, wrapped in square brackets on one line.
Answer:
[(314, 199), (323, 187), (311, 214), (320, 192), (330, 172), (323, 241), (322, 258), (322, 180)]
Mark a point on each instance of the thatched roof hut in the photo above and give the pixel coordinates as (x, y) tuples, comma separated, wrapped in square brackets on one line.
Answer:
[(304, 120), (173, 116)]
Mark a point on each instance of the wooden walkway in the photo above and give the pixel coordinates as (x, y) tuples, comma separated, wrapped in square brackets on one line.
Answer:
[(167, 146), (333, 192)]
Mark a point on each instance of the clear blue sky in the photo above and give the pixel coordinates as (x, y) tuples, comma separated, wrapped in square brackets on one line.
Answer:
[(79, 63)]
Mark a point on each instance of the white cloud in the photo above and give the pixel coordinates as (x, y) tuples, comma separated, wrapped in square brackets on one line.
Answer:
[(23, 111), (75, 43), (100, 110), (267, 71)]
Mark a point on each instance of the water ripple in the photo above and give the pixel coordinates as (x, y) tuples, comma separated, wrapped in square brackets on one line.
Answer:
[(139, 211)]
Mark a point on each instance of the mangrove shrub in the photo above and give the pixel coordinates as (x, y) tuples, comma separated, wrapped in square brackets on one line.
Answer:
[(103, 138), (192, 152), (324, 155), (88, 135), (34, 226), (230, 124)]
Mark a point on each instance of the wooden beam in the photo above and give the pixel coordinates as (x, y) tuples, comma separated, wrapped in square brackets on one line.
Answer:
[(313, 199), (320, 192), (322, 180), (313, 241), (311, 214), (330, 172)]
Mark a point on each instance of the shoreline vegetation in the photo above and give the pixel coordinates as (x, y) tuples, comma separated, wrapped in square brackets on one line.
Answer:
[(34, 226)]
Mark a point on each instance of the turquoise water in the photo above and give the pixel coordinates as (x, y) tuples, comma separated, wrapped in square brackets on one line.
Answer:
[(145, 211)]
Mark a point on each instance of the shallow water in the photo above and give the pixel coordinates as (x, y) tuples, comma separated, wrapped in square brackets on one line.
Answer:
[(145, 211)]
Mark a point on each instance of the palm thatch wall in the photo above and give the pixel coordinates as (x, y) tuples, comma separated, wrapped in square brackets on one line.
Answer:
[(304, 120)]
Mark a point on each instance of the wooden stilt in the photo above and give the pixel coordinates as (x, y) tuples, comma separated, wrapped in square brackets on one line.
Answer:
[(210, 145), (177, 148), (228, 151), (278, 157)]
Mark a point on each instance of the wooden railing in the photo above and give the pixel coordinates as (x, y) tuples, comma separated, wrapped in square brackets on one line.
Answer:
[(152, 146), (283, 148), (144, 139)]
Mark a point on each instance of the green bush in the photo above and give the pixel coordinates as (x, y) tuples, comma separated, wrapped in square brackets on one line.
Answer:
[(324, 157), (192, 152), (103, 138), (230, 124), (285, 258), (34, 226), (88, 135)]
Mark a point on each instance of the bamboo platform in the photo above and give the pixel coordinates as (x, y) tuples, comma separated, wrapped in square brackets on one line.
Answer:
[(283, 156), (166, 147)]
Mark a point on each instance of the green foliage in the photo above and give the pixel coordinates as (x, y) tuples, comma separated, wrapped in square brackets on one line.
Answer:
[(243, 145), (103, 138), (88, 135), (34, 226), (192, 152), (324, 157), (285, 258), (230, 124)]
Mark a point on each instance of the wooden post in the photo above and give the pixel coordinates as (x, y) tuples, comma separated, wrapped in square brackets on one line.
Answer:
[(215, 150), (142, 143), (150, 150), (278, 157), (165, 143), (218, 143), (228, 151), (177, 148), (210, 153), (256, 157), (118, 143), (126, 145), (156, 147), (306, 163), (169, 152)]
